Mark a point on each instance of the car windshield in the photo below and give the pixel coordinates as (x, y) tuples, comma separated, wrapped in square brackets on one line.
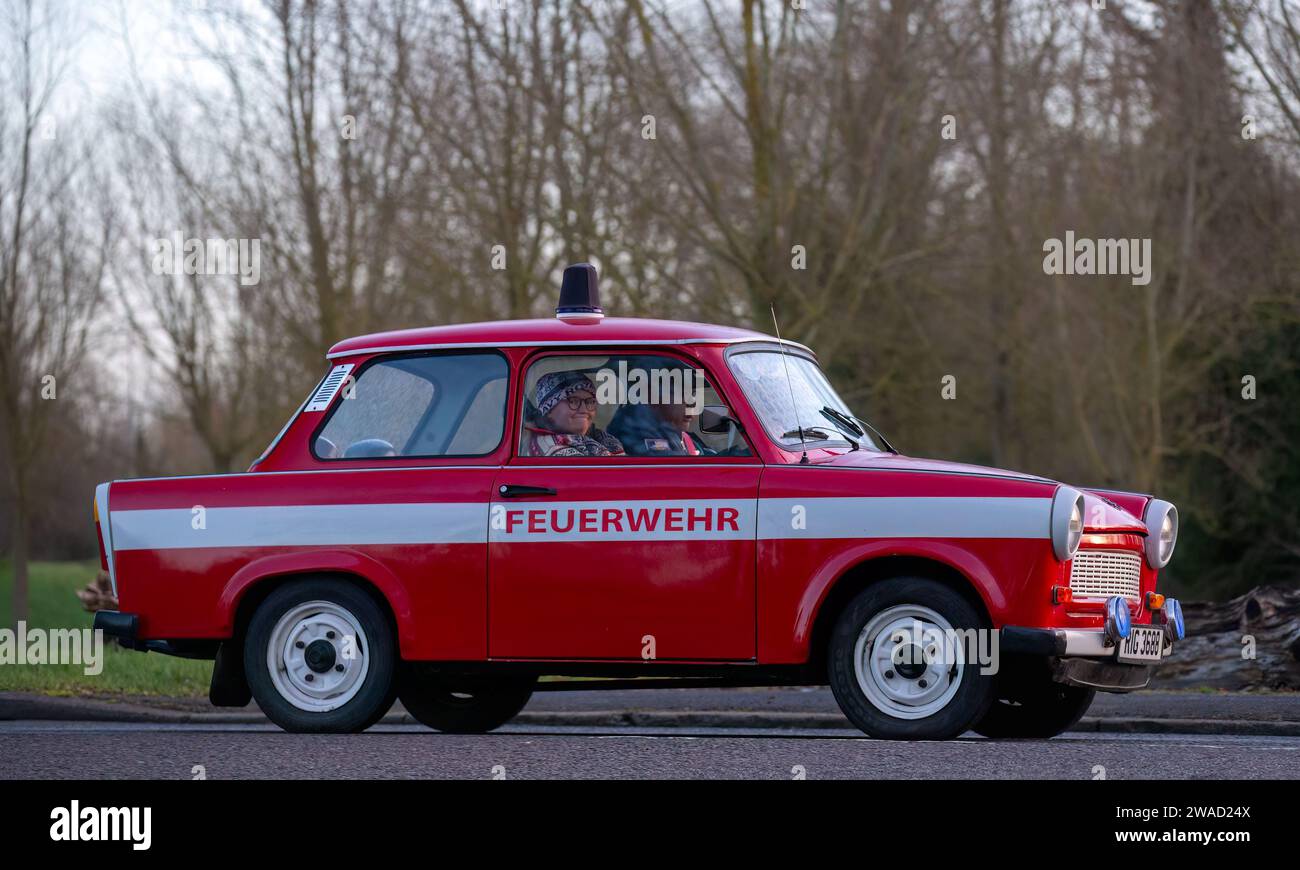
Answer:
[(816, 409)]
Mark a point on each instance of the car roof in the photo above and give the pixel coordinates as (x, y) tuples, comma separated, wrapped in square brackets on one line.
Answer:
[(546, 331)]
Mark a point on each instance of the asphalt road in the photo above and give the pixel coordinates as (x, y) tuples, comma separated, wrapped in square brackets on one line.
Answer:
[(98, 750), (1273, 706)]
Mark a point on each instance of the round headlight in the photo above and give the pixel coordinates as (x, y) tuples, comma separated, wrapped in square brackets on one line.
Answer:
[(1076, 527), (1162, 532), (1067, 522)]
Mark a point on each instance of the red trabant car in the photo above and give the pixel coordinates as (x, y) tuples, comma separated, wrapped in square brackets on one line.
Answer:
[(455, 512)]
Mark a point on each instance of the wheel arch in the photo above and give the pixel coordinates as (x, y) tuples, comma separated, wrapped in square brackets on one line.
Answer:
[(851, 579), (251, 585)]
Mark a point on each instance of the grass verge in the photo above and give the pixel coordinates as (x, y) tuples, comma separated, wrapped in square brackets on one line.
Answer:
[(53, 603)]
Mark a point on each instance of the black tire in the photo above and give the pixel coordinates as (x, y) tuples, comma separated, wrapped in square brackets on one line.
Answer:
[(462, 705), (1037, 709), (974, 691), (378, 687)]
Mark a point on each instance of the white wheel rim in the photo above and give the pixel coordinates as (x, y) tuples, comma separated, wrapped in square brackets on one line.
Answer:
[(908, 661), (318, 656)]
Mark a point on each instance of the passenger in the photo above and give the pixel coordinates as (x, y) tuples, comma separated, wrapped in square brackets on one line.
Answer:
[(566, 408), (657, 430)]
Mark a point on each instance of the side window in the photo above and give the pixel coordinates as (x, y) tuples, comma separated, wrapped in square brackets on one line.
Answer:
[(638, 405), (446, 405), (480, 431)]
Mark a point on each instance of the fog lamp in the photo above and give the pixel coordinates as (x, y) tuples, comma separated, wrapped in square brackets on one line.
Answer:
[(1175, 628), (1118, 620)]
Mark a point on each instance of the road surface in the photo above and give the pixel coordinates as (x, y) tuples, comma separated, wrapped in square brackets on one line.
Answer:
[(107, 750)]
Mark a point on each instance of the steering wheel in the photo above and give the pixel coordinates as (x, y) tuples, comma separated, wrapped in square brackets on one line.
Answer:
[(369, 448)]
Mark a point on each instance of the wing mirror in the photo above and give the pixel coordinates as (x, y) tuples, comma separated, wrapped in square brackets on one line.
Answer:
[(717, 420)]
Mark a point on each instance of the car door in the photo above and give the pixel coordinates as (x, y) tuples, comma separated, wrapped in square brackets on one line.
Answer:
[(624, 557)]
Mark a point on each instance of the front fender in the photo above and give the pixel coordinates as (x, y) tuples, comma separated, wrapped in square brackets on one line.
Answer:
[(964, 560)]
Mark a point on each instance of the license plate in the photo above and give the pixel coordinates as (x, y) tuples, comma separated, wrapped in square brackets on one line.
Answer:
[(1142, 645)]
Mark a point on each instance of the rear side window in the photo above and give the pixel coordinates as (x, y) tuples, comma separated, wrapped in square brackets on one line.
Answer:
[(419, 406)]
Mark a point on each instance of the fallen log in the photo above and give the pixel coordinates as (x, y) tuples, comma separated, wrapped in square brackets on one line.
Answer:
[(1249, 642)]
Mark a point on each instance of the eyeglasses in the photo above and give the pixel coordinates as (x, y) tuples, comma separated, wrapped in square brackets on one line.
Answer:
[(576, 403)]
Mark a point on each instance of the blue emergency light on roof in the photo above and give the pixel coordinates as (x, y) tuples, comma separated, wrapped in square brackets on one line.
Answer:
[(579, 296)]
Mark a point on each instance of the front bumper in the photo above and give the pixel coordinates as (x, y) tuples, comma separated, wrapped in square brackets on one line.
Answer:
[(1082, 642), (1080, 657)]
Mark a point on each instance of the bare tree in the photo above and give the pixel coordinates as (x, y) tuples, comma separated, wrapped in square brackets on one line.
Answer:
[(52, 254), (885, 174)]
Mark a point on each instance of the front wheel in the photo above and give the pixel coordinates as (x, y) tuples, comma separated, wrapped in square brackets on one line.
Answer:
[(900, 661), (462, 705)]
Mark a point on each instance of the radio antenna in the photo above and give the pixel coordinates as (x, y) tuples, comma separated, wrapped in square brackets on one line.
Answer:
[(803, 446)]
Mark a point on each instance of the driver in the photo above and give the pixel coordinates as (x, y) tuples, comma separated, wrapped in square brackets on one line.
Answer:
[(662, 428), (566, 417), (657, 430)]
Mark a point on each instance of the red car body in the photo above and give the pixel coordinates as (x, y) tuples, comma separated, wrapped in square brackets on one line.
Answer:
[(694, 558)]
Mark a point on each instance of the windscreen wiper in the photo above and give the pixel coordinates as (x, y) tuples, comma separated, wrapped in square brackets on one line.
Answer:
[(844, 424), (806, 431), (883, 440), (838, 416)]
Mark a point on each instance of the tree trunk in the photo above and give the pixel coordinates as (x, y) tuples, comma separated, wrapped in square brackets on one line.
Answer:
[(1003, 303)]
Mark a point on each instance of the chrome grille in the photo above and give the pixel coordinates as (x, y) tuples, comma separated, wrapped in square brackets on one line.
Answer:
[(1103, 573)]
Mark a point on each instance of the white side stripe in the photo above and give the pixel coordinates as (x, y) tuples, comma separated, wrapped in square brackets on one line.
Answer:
[(301, 526), (539, 521), (939, 517)]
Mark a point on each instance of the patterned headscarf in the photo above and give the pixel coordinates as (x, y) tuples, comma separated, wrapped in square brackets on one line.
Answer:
[(557, 386)]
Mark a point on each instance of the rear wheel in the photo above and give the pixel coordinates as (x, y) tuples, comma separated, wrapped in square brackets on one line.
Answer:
[(320, 657), (462, 704), (898, 661)]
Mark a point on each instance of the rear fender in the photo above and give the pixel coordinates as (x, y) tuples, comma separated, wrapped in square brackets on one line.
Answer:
[(325, 561)]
